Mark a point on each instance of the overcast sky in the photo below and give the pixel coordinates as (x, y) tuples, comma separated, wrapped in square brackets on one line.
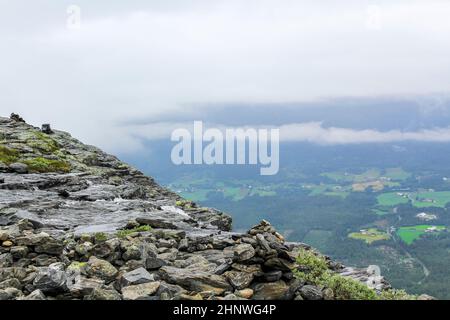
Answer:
[(158, 59)]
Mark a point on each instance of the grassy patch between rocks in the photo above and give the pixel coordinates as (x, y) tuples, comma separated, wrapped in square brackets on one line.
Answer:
[(7, 155), (42, 165), (124, 233), (314, 270)]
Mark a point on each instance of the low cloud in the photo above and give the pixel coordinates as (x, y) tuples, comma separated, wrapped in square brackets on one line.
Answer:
[(312, 132)]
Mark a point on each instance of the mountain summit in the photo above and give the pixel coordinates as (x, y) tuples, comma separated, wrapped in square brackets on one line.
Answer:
[(77, 223)]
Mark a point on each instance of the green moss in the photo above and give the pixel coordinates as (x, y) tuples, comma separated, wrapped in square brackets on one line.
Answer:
[(77, 266), (125, 233), (42, 165), (394, 294), (100, 237), (42, 142), (8, 155), (314, 269)]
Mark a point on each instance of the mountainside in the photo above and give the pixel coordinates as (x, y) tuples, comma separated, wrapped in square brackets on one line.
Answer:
[(77, 223)]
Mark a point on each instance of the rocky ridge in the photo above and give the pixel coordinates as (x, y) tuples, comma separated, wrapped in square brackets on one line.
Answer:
[(77, 223)]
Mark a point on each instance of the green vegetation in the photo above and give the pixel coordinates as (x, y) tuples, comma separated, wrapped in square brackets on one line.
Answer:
[(42, 142), (42, 165), (392, 199), (7, 155), (369, 235), (412, 233), (100, 237), (313, 269), (125, 233), (438, 199)]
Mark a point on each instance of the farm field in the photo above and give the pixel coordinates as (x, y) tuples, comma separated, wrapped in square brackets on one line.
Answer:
[(412, 233), (370, 235)]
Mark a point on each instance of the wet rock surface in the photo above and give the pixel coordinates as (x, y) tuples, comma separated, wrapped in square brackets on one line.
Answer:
[(77, 223)]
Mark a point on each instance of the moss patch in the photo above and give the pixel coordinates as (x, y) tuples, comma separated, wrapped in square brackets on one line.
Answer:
[(7, 155), (42, 165), (42, 142), (124, 233), (314, 269)]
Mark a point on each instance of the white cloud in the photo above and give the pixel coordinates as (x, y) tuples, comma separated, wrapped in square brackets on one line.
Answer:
[(313, 132), (148, 59)]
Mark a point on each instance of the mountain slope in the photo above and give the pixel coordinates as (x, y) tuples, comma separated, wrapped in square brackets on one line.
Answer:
[(76, 223)]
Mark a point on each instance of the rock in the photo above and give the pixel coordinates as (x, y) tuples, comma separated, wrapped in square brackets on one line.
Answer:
[(11, 283), (7, 244), (273, 276), (135, 277), (81, 286), (154, 263), (279, 264), (50, 246), (132, 253), (10, 294), (15, 117), (156, 223), (101, 269), (270, 291), (19, 252), (140, 291), (51, 280), (103, 294), (243, 252), (83, 249), (35, 295), (425, 297), (328, 294), (309, 292), (195, 280), (239, 280), (20, 168), (169, 291), (6, 260), (245, 293)]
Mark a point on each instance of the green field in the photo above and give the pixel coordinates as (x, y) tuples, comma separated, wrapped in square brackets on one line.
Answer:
[(391, 199), (370, 235), (432, 199), (412, 233)]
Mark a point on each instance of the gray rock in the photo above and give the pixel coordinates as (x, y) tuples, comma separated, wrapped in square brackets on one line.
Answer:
[(135, 277), (143, 291), (11, 283), (309, 292), (239, 280), (243, 252), (101, 269), (35, 295), (6, 260), (51, 280), (194, 280), (154, 263), (103, 294), (273, 276), (81, 286), (20, 168), (270, 291), (19, 252)]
